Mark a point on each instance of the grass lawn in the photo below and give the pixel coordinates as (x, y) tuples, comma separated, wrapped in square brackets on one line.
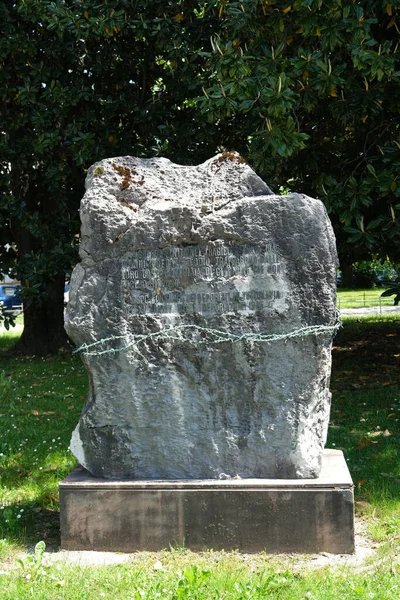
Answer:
[(362, 298), (40, 403)]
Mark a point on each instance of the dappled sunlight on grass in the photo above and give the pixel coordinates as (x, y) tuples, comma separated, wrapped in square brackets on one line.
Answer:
[(40, 404), (365, 416)]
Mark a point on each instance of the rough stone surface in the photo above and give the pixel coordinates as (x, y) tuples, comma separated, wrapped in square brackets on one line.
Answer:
[(191, 251)]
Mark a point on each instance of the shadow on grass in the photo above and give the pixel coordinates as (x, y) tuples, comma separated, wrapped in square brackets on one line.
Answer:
[(365, 415), (366, 355), (7, 340), (43, 397), (28, 522)]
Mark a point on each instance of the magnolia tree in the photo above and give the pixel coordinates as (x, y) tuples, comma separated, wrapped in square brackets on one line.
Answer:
[(306, 91), (80, 81), (313, 85)]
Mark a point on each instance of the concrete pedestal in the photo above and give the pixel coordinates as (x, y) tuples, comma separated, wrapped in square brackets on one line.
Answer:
[(250, 515)]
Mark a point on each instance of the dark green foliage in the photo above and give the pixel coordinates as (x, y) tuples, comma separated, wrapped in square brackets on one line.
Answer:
[(394, 290), (368, 274), (313, 87), (80, 81), (307, 91)]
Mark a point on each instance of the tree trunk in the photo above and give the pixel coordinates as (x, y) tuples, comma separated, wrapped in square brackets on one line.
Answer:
[(347, 275), (44, 322)]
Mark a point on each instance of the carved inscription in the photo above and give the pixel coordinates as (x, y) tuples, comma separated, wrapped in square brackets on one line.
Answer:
[(209, 279)]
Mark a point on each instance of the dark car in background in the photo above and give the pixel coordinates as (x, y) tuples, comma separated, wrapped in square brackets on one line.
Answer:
[(10, 298)]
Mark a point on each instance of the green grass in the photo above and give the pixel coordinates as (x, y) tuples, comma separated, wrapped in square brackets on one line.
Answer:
[(208, 576), (362, 298), (372, 318), (365, 417), (40, 403), (40, 400)]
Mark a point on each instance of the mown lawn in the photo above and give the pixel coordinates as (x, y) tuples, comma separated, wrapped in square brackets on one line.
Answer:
[(40, 403), (362, 298)]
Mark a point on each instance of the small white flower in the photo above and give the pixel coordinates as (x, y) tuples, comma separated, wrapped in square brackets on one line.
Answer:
[(18, 516), (158, 566)]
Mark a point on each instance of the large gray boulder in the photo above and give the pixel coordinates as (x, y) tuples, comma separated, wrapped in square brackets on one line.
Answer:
[(204, 309)]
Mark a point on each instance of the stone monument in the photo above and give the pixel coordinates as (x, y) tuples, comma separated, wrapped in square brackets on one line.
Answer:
[(204, 310)]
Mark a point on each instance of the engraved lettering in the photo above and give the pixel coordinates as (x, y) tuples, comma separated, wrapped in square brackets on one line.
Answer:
[(214, 278)]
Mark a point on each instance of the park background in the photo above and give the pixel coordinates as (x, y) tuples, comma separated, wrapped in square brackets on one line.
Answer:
[(307, 92)]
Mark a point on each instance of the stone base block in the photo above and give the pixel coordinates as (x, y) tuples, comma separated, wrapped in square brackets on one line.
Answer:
[(249, 515)]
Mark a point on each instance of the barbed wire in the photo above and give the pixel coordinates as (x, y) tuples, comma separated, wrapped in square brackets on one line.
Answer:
[(197, 335)]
